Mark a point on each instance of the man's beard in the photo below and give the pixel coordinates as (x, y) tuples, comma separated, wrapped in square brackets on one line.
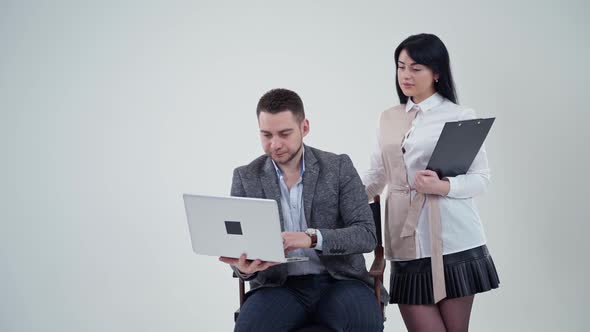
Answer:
[(291, 157)]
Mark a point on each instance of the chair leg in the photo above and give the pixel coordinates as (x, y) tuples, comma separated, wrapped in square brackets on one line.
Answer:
[(242, 292), (236, 314), (377, 289)]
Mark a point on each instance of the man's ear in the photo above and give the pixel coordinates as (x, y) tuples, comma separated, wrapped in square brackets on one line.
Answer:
[(305, 127)]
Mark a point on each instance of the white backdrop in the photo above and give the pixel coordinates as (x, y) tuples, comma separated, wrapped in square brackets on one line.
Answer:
[(110, 111)]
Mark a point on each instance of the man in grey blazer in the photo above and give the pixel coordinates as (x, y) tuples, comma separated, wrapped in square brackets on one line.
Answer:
[(324, 216)]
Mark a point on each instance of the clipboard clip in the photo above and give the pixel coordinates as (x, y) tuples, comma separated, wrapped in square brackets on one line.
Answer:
[(460, 123)]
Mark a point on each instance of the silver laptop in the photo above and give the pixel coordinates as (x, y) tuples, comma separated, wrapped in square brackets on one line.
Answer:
[(230, 226)]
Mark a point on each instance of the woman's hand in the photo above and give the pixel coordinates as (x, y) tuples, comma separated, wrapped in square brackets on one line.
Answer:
[(427, 182)]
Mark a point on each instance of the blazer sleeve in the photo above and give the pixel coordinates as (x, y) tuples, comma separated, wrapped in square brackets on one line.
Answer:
[(358, 233), (237, 189)]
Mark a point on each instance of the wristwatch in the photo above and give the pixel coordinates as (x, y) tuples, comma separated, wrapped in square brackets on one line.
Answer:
[(313, 235)]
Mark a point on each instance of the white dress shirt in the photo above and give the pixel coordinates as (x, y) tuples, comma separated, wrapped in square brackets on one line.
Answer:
[(294, 221), (461, 225)]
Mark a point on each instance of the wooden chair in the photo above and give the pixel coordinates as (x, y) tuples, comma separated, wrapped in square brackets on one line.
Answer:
[(376, 271)]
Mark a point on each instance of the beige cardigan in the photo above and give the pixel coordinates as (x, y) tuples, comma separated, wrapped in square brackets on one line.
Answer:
[(402, 211)]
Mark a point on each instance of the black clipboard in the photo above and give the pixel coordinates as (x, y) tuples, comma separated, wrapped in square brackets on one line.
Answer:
[(457, 146)]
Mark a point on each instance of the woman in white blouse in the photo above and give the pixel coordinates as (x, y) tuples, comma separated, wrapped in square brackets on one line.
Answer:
[(433, 233)]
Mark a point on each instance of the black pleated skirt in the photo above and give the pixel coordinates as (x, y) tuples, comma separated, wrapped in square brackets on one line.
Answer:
[(466, 273)]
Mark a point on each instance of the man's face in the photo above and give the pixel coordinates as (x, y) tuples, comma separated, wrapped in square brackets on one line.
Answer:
[(282, 135)]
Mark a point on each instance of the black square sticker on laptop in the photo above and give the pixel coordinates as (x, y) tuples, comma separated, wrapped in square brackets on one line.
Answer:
[(233, 227)]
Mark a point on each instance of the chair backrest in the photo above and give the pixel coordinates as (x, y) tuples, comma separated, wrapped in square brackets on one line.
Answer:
[(376, 208)]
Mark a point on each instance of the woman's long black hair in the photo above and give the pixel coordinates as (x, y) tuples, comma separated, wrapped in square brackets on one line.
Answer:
[(428, 50)]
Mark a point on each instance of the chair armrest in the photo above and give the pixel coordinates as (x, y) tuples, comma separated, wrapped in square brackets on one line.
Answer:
[(378, 266)]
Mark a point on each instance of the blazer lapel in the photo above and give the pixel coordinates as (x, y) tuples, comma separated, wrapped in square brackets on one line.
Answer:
[(270, 186), (310, 179)]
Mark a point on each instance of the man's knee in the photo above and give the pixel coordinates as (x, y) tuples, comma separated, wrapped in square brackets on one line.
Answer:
[(350, 306), (270, 309)]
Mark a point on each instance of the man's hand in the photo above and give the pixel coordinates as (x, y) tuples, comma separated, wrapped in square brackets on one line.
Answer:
[(295, 240), (427, 182), (247, 266)]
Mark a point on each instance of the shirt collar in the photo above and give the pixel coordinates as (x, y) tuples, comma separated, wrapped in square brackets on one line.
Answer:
[(427, 104), (280, 173)]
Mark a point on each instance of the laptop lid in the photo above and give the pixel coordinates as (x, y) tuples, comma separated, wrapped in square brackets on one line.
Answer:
[(230, 226)]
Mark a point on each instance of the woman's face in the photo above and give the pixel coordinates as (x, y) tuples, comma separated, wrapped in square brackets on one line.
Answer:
[(415, 80)]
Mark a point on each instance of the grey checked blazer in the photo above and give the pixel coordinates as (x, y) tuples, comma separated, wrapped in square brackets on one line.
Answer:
[(335, 202)]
